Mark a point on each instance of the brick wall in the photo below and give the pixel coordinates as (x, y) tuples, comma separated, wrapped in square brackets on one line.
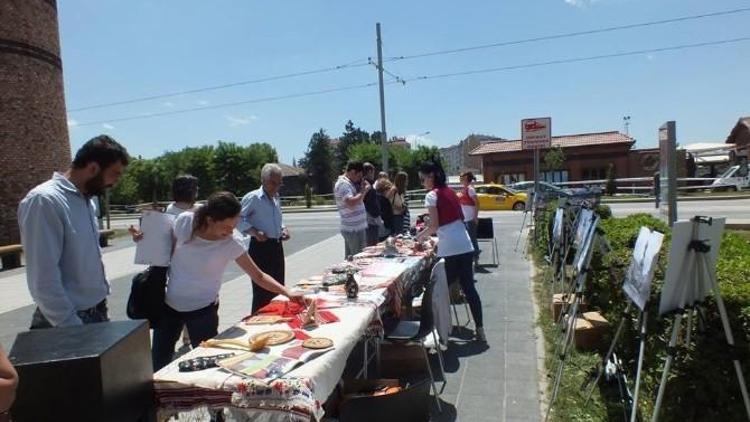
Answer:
[(33, 129)]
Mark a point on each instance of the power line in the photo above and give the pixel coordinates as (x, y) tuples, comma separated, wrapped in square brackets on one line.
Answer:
[(395, 77), (223, 105), (570, 34), (578, 59), (356, 63)]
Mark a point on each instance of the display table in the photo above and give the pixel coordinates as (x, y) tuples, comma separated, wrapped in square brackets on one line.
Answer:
[(297, 395)]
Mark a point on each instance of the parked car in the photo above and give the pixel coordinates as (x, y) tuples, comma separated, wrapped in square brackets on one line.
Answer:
[(498, 197), (550, 190), (732, 179)]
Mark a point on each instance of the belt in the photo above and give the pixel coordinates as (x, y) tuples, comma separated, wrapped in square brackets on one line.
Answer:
[(268, 240)]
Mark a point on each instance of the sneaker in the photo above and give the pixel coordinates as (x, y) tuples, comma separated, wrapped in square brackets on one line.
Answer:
[(479, 334)]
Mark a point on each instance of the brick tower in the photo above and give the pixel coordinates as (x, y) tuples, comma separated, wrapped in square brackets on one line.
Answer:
[(33, 125)]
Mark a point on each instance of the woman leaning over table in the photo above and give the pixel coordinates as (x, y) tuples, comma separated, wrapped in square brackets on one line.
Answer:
[(205, 241), (454, 243)]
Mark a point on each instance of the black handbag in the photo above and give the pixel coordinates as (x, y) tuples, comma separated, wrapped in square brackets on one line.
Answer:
[(147, 292)]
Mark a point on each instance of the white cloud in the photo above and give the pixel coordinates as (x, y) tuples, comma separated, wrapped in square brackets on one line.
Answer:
[(107, 126), (168, 104), (235, 121), (581, 3), (202, 102), (72, 123)]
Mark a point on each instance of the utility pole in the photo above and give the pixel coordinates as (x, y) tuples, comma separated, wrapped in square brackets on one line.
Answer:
[(383, 135), (626, 121)]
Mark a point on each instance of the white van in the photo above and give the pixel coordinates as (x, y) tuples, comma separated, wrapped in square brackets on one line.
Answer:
[(732, 179)]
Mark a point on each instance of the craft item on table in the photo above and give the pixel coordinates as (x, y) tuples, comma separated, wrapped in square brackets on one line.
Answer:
[(352, 288), (268, 366), (334, 280), (301, 334), (265, 319), (226, 344), (310, 318), (259, 343), (201, 363), (274, 337), (344, 268), (321, 317), (317, 343), (390, 249)]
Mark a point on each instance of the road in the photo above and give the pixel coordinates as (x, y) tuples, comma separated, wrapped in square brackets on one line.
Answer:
[(732, 209)]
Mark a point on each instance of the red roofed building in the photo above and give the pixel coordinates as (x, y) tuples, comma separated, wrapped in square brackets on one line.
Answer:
[(587, 156)]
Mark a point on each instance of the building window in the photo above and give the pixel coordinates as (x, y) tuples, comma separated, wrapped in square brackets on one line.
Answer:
[(555, 176), (510, 178), (598, 173)]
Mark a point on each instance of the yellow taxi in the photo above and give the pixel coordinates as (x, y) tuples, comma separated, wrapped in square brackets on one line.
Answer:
[(499, 197)]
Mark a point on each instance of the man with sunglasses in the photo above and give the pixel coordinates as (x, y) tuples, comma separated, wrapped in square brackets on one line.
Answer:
[(261, 219)]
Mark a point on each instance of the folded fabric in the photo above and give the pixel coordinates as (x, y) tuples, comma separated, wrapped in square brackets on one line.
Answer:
[(323, 317)]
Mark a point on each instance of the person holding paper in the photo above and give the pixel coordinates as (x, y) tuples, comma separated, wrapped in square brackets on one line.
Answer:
[(261, 219), (205, 242), (60, 237)]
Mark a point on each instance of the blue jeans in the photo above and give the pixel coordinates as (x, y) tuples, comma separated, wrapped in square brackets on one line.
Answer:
[(202, 324), (97, 313)]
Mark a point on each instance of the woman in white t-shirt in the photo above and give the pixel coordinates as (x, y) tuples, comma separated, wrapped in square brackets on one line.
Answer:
[(454, 243), (205, 242), (467, 196)]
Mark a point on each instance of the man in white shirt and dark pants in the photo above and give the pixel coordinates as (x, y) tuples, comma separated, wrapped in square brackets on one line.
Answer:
[(261, 218), (349, 201), (60, 238)]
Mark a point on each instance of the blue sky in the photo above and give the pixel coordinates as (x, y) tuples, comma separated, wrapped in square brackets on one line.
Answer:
[(119, 50)]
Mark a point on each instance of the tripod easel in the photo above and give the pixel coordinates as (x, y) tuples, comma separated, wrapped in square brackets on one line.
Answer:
[(566, 340), (637, 286), (697, 280)]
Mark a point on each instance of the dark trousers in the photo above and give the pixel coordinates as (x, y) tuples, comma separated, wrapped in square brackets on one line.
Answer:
[(460, 268), (373, 230), (398, 224), (471, 228), (96, 313), (269, 257), (202, 324)]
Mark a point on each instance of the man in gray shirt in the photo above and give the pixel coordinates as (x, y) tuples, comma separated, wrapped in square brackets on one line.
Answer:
[(261, 218), (60, 237)]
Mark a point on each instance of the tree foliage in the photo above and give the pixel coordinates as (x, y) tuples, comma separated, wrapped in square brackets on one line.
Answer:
[(318, 162), (228, 166)]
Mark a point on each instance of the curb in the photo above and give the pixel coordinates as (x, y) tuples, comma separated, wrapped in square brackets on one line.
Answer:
[(679, 199)]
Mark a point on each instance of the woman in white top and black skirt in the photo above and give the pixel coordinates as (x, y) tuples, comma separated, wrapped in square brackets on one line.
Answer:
[(454, 243), (205, 241)]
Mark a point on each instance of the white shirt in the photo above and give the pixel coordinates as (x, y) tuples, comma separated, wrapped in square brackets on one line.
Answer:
[(470, 211), (198, 265), (173, 209), (453, 239), (354, 217), (60, 239)]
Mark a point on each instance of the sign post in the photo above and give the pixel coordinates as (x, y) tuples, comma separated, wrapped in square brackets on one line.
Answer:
[(536, 134), (668, 172)]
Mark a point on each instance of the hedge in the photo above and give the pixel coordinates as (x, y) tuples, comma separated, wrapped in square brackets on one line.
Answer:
[(702, 383)]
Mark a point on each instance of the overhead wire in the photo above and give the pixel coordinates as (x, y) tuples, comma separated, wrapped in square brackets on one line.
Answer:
[(357, 63)]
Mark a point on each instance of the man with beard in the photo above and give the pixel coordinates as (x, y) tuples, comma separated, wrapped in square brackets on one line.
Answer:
[(60, 237)]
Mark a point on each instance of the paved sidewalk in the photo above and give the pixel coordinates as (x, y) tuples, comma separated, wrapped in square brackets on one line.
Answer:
[(497, 381)]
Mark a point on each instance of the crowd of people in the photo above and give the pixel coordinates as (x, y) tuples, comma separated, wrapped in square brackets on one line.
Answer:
[(65, 272)]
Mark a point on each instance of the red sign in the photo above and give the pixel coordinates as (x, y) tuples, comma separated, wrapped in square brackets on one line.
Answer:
[(536, 133)]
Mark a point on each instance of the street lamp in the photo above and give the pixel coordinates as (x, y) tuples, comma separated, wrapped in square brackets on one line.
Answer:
[(419, 135)]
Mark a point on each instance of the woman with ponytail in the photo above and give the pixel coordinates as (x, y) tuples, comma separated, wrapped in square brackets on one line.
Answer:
[(205, 242), (454, 243)]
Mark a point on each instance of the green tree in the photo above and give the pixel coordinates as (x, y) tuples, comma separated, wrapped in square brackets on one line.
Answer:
[(611, 187), (318, 162), (554, 158), (352, 136), (366, 152), (235, 168)]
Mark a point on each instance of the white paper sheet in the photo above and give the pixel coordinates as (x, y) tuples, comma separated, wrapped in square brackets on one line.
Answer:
[(155, 248), (684, 284), (640, 273)]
